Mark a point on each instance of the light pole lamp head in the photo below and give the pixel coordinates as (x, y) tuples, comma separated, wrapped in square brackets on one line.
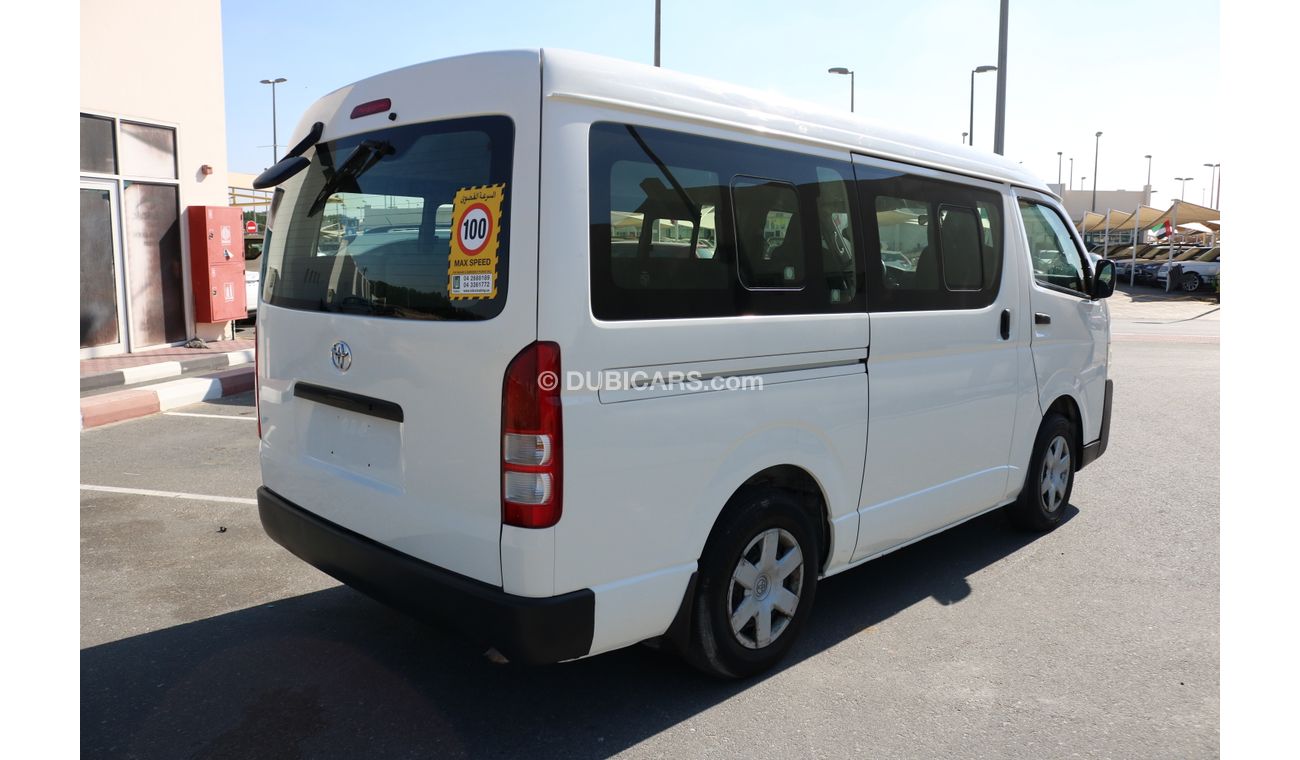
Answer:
[(982, 69), (1099, 134), (839, 70), (274, 81)]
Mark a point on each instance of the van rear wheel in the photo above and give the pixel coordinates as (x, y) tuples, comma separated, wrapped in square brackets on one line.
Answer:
[(756, 584), (1050, 479)]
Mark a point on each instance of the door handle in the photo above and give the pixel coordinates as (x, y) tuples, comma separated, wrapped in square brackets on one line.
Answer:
[(1042, 319), (1006, 324)]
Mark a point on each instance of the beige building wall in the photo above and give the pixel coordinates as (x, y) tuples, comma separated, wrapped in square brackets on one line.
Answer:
[(160, 61)]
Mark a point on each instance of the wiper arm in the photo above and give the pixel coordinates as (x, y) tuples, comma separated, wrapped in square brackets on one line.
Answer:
[(358, 162)]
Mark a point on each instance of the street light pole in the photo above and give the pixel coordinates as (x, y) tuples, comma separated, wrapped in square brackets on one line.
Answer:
[(1147, 194), (1214, 169), (963, 137), (657, 2), (1058, 168), (1096, 152), (973, 72), (852, 82), (1071, 172), (1183, 190), (275, 156), (1000, 121)]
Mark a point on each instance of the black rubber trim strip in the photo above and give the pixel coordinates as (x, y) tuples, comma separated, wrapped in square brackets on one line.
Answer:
[(1094, 450), (524, 629), (353, 402)]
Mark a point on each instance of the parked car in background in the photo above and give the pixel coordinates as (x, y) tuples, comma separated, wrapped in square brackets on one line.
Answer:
[(1124, 258), (1197, 272), (252, 271)]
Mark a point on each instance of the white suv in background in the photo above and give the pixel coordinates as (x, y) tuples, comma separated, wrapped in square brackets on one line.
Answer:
[(1200, 271)]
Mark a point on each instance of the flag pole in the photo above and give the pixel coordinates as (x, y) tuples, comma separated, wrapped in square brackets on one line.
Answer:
[(1105, 239), (1173, 230), (1132, 267)]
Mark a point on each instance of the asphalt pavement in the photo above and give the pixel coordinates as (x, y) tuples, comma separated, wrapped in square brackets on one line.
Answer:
[(202, 638)]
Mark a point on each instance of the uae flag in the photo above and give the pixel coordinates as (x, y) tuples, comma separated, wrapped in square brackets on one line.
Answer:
[(1164, 231)]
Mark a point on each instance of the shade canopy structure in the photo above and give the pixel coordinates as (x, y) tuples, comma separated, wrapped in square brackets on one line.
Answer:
[(1144, 217), (1091, 221), (1183, 212)]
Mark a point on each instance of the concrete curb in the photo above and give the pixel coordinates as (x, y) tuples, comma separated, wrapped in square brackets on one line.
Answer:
[(160, 370), (142, 402)]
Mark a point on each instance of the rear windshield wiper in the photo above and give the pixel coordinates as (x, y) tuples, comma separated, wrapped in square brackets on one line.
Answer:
[(358, 162)]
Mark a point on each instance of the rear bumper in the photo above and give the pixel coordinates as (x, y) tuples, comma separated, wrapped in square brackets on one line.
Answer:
[(1098, 447), (524, 629)]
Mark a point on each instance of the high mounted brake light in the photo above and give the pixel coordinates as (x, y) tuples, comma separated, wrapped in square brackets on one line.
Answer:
[(374, 106)]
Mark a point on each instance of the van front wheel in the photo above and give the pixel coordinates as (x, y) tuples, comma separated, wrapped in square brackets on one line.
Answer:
[(756, 584), (1050, 478)]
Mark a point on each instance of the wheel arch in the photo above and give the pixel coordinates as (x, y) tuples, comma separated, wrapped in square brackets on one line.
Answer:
[(1068, 407)]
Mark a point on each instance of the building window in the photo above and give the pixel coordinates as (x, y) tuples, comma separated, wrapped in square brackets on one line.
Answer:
[(148, 151), (98, 145)]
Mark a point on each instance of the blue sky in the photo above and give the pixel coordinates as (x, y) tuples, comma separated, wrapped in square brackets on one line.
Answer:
[(1145, 73)]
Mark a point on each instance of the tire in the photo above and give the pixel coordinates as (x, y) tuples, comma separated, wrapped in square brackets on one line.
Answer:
[(1050, 479), (1191, 282), (753, 519)]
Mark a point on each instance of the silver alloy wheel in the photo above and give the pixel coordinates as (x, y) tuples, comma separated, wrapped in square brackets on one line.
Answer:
[(1056, 474), (765, 588), (1191, 283)]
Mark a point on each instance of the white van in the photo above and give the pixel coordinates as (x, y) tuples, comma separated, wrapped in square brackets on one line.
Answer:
[(678, 353)]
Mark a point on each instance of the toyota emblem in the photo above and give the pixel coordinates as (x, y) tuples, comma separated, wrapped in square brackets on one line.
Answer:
[(341, 355)]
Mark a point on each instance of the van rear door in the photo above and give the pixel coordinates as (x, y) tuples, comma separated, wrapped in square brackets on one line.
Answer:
[(400, 280)]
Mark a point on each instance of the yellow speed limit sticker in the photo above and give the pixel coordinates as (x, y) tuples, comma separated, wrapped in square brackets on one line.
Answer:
[(475, 230)]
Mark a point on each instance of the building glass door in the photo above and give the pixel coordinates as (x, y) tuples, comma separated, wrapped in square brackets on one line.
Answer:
[(103, 322)]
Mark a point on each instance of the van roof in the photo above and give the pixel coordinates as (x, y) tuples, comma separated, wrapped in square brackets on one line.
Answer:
[(611, 82)]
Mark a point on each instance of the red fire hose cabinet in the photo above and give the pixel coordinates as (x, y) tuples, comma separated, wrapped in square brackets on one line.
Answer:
[(217, 262)]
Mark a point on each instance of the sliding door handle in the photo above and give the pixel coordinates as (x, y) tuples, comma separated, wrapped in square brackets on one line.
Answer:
[(1006, 324), (1042, 319)]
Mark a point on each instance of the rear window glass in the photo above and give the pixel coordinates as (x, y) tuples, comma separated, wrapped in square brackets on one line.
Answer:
[(409, 222)]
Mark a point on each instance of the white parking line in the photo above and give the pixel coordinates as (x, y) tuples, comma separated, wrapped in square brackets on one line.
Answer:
[(168, 494), (216, 416)]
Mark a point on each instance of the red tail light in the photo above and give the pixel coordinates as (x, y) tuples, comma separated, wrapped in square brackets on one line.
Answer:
[(532, 465)]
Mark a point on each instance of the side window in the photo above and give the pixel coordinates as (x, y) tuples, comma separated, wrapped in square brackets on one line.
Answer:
[(939, 243), (768, 233), (1051, 249), (962, 249), (684, 226), (839, 265)]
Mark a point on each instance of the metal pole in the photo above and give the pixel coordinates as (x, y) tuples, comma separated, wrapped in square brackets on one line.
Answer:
[(1218, 192), (1147, 191), (275, 132), (1096, 151), (1105, 239), (1132, 267), (657, 32), (972, 106), (1000, 124), (1173, 230), (853, 88), (1071, 172), (1058, 170)]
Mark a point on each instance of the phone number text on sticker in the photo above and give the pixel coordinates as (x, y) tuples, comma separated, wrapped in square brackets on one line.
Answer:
[(471, 284), (475, 234)]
